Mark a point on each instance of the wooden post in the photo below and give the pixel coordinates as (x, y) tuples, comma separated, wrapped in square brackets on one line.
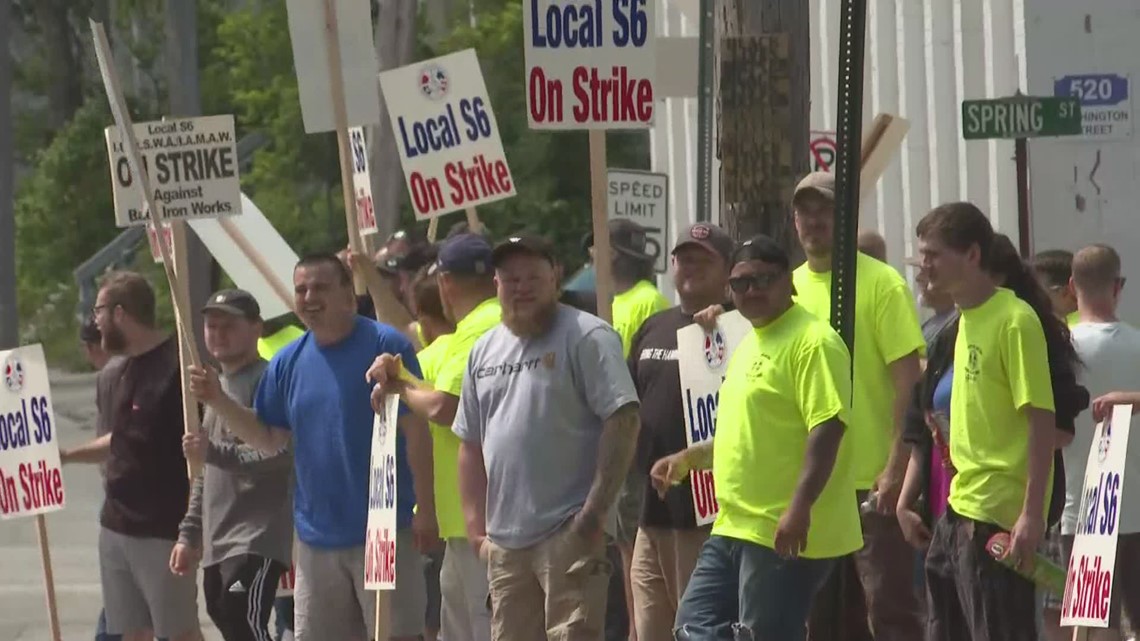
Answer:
[(281, 289), (474, 225), (49, 580), (603, 261), (433, 228), (179, 292)]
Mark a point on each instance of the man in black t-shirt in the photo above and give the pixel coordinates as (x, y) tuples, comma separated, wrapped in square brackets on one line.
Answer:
[(668, 539)]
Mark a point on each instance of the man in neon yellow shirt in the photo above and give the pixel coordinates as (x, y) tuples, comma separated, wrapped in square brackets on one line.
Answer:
[(782, 413), (887, 352), (465, 278), (272, 342), (1001, 439)]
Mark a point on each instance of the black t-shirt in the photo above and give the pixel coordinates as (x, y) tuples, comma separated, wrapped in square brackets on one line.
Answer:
[(653, 364), (147, 486)]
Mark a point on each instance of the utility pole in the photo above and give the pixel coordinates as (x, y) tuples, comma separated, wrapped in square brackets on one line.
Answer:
[(395, 42), (9, 319), (764, 91), (186, 101)]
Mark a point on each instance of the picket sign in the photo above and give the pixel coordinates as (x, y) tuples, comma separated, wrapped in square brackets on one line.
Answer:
[(597, 78), (380, 537), (702, 361), (31, 475), (1092, 565)]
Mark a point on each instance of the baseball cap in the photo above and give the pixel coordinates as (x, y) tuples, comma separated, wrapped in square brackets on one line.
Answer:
[(820, 182), (762, 248), (523, 243), (626, 237), (712, 237), (468, 254), (234, 301)]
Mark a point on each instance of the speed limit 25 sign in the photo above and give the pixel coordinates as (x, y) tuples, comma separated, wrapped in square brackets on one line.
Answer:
[(643, 197)]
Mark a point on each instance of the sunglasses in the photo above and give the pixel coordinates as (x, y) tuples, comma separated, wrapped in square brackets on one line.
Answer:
[(741, 284)]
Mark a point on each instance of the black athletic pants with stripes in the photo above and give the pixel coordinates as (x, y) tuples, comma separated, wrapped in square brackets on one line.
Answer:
[(239, 596)]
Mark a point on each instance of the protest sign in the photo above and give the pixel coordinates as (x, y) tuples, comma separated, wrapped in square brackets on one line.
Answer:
[(1092, 566), (152, 241), (590, 64), (446, 134), (31, 477), (362, 182), (357, 63), (380, 539), (643, 197), (702, 360), (191, 164)]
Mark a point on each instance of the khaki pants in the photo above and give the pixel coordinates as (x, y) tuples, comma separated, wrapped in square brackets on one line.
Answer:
[(663, 561), (554, 590)]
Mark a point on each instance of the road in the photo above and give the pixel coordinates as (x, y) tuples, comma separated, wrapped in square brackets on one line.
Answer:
[(72, 535)]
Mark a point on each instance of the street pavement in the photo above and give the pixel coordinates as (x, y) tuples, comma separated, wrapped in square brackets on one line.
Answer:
[(72, 538)]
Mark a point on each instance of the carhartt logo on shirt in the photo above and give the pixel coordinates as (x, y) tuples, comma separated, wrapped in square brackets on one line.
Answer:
[(511, 369), (973, 357)]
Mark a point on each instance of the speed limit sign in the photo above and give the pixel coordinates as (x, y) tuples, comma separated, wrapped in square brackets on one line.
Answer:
[(643, 197)]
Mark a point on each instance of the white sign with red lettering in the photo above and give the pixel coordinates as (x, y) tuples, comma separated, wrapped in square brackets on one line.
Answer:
[(702, 359), (380, 539), (1092, 567), (362, 182), (152, 240), (446, 134), (590, 64), (31, 477)]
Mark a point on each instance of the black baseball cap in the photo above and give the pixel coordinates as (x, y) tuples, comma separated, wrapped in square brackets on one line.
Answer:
[(763, 249), (711, 237), (523, 243), (237, 302), (468, 254), (626, 237)]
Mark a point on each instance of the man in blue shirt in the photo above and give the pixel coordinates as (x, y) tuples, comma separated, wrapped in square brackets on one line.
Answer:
[(315, 393)]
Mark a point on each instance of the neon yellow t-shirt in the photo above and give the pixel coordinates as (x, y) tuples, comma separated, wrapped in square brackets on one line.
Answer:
[(454, 361), (270, 345), (632, 307), (445, 451), (1000, 368), (886, 329), (784, 380), (1073, 318)]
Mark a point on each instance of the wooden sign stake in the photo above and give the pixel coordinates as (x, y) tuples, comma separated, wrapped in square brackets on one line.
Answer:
[(258, 262), (49, 580), (603, 261), (433, 228)]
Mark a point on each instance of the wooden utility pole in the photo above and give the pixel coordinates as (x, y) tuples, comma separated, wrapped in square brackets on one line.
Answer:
[(763, 89), (9, 319), (395, 41), (186, 101)]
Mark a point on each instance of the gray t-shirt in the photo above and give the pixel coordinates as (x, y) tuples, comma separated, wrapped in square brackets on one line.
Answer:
[(536, 406), (243, 501)]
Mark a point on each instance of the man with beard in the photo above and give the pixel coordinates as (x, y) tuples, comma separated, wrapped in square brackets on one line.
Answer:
[(315, 394), (668, 539), (888, 347), (782, 414), (146, 484), (240, 519), (466, 285), (549, 420)]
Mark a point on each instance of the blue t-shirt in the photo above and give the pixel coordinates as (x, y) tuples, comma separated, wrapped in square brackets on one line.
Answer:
[(321, 395), (941, 400)]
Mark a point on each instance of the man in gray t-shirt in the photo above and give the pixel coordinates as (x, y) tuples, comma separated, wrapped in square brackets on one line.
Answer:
[(240, 516), (548, 417)]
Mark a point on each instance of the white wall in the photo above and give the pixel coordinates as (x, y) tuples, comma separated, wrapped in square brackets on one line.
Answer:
[(1058, 44)]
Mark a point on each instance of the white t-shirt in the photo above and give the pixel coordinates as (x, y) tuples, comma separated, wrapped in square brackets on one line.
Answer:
[(1110, 353)]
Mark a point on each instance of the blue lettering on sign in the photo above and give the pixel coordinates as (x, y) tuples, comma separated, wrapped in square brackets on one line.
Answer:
[(570, 25), (702, 415), (1101, 506), (439, 132), (632, 23), (382, 484), (1094, 89), (357, 150), (16, 427)]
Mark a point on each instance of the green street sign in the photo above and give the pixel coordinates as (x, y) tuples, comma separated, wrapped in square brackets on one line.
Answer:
[(1020, 117)]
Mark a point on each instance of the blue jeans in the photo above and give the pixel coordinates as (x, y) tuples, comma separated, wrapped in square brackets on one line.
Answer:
[(741, 591)]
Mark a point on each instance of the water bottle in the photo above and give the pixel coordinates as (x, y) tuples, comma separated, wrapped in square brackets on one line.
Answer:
[(1044, 573)]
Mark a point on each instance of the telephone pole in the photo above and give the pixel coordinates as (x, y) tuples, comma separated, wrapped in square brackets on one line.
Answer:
[(9, 319), (186, 102), (764, 90)]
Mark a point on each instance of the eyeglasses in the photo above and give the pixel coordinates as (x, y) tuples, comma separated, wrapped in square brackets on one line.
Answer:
[(741, 284), (98, 308)]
